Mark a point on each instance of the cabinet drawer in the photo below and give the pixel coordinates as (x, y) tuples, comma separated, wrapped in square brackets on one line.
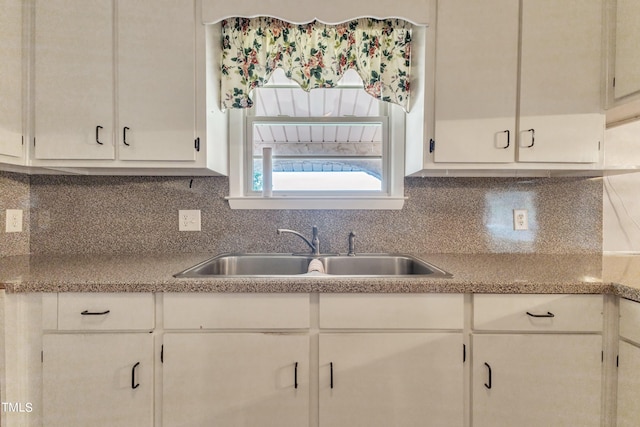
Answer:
[(236, 311), (630, 320), (100, 311), (391, 311), (579, 313)]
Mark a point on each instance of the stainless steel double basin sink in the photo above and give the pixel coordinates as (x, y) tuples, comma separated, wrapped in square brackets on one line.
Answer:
[(377, 265)]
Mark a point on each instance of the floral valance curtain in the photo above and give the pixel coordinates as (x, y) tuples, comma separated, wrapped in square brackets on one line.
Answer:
[(315, 55)]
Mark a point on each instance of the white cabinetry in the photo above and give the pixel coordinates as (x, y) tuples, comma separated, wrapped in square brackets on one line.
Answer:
[(529, 354), (629, 364), (120, 85), (375, 373), (74, 80), (97, 378), (233, 379), (11, 150), (482, 71), (256, 375)]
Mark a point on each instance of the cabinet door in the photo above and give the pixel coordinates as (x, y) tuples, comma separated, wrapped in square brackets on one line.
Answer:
[(628, 385), (11, 78), (561, 112), (235, 379), (476, 81), (89, 379), (156, 80), (391, 379), (74, 79), (536, 380)]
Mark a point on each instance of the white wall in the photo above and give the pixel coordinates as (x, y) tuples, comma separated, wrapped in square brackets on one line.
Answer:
[(621, 199)]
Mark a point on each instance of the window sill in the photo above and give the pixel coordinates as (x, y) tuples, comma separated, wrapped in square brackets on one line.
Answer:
[(316, 202)]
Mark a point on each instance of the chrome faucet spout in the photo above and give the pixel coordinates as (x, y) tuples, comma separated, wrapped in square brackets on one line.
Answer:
[(314, 244)]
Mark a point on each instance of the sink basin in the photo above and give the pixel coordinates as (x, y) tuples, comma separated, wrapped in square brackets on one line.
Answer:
[(375, 265)]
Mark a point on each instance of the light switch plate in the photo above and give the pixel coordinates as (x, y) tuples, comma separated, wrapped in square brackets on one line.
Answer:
[(14, 221), (189, 220)]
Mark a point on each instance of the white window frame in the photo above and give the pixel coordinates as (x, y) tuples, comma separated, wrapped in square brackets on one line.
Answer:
[(391, 197)]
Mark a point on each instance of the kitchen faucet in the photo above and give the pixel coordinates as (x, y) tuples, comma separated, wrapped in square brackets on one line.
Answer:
[(314, 244), (352, 244)]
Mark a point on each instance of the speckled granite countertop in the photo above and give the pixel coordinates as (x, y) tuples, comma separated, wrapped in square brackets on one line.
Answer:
[(472, 273)]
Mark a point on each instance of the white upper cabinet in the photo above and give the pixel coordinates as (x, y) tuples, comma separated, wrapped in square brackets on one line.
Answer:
[(561, 111), (627, 59), (11, 80), (476, 75), (74, 80), (517, 88), (156, 80), (120, 88)]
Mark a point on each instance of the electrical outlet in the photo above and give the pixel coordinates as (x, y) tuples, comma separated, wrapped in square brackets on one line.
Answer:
[(189, 220), (520, 219), (14, 221)]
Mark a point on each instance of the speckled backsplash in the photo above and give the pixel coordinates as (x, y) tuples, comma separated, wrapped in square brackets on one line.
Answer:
[(14, 194), (92, 214)]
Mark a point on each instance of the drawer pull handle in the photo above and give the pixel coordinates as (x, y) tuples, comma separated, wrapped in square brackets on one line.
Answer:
[(295, 376), (488, 386), (331, 370), (549, 314), (134, 385), (95, 313)]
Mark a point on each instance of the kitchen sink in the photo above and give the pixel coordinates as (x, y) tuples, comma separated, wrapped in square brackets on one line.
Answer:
[(376, 265)]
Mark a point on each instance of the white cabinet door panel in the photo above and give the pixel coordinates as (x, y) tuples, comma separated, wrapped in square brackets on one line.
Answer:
[(476, 80), (74, 79), (88, 380), (391, 379), (536, 380), (156, 80), (235, 379), (11, 78), (628, 385)]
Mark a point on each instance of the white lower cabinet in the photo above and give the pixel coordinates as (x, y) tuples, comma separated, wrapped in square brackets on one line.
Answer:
[(629, 364), (628, 385), (391, 379), (235, 379), (98, 379), (536, 380)]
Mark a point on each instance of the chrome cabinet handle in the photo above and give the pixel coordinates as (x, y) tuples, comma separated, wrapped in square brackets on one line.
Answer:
[(549, 314), (488, 386), (533, 137), (95, 313), (508, 138), (98, 134), (124, 136)]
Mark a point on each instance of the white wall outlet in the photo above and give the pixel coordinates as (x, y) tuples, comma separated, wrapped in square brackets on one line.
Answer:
[(14, 221), (520, 219), (189, 220)]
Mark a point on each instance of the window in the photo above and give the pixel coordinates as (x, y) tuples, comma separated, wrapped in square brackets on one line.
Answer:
[(325, 140), (313, 139)]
